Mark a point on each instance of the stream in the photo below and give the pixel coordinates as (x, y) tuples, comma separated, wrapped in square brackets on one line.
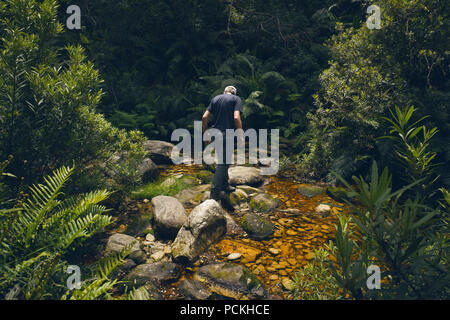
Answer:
[(299, 230)]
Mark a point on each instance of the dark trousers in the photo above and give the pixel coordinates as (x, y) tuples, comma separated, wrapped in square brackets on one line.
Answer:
[(220, 180)]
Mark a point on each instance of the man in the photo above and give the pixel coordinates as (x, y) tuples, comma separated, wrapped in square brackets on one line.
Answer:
[(226, 109)]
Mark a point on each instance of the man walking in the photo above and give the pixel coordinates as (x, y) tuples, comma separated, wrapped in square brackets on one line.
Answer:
[(226, 110)]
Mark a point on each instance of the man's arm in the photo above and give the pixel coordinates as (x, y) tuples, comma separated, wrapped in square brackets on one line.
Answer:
[(237, 119), (238, 124), (205, 120)]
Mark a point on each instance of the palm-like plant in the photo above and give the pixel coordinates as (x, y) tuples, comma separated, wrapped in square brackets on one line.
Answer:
[(35, 235)]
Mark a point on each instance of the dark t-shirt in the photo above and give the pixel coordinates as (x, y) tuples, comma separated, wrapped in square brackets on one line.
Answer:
[(222, 107)]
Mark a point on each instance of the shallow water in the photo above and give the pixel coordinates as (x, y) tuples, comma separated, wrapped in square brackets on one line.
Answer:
[(299, 231)]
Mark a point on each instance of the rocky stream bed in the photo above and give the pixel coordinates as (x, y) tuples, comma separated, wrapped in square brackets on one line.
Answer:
[(249, 247)]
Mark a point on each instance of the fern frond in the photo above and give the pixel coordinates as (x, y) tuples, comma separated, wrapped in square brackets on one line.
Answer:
[(93, 291), (42, 200), (109, 263), (83, 227)]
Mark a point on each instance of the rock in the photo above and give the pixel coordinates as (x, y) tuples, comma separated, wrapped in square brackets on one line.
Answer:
[(117, 242), (167, 183), (127, 265), (189, 180), (232, 281), (323, 209), (169, 216), (149, 237), (310, 191), (263, 203), (193, 195), (158, 272), (158, 255), (234, 256), (206, 224), (288, 284), (247, 252), (291, 233), (205, 176), (232, 227), (245, 175), (237, 197), (148, 170), (194, 290), (138, 256), (249, 190), (139, 225), (159, 151), (274, 251), (257, 227)]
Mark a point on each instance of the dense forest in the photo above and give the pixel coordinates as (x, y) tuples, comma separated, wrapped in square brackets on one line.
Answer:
[(363, 115)]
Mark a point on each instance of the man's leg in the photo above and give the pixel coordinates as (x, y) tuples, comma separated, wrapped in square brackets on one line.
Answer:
[(220, 175), (218, 181)]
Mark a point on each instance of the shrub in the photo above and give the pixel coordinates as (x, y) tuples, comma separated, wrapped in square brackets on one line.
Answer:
[(48, 100), (315, 281)]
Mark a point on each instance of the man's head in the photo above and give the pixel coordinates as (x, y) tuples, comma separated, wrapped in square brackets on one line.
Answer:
[(230, 90)]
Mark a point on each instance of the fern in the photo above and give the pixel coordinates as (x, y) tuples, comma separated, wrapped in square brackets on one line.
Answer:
[(36, 235), (100, 284)]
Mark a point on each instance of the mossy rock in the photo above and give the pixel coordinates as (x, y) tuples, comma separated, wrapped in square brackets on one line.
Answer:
[(231, 281), (205, 176), (193, 195), (248, 189), (310, 191), (237, 197), (169, 182), (257, 227), (263, 203), (189, 180)]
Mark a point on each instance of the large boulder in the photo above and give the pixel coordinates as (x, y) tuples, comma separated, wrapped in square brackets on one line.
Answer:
[(168, 216), (231, 281), (118, 241), (206, 224), (158, 272), (257, 227), (263, 203), (159, 151), (148, 170), (240, 175)]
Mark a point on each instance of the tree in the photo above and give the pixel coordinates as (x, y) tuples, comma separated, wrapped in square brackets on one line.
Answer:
[(48, 98), (370, 72)]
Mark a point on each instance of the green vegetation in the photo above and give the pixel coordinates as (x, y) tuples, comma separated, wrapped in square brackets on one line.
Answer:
[(159, 187), (315, 281), (347, 100), (403, 231), (37, 232), (48, 101)]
